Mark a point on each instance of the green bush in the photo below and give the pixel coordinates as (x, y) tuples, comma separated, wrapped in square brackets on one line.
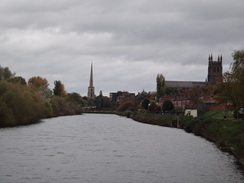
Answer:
[(128, 113), (155, 119), (6, 114), (225, 133), (20, 104), (64, 106)]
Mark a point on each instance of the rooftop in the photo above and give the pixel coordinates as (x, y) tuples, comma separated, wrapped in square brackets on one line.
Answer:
[(184, 84)]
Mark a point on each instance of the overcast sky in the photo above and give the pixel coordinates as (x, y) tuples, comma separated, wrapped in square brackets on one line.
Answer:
[(128, 41)]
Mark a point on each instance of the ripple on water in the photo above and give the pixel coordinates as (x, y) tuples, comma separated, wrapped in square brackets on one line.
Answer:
[(108, 148)]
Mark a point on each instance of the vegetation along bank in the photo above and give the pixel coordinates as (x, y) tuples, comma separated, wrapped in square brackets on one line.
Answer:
[(24, 103)]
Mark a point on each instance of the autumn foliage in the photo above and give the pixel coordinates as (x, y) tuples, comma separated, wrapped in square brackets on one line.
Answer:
[(128, 105), (37, 81), (22, 104)]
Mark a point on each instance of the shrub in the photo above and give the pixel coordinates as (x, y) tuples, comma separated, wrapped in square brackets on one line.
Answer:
[(128, 105), (128, 113), (20, 104), (64, 106), (168, 106), (6, 114), (154, 108)]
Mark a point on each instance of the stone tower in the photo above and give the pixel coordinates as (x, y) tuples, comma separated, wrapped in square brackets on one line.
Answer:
[(214, 70), (91, 89)]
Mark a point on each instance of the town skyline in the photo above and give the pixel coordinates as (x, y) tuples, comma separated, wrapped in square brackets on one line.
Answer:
[(129, 42), (211, 59), (107, 93)]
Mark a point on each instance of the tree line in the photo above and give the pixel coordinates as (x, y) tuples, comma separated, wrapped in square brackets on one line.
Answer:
[(23, 103)]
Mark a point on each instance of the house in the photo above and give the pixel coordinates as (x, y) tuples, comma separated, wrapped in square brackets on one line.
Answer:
[(121, 97)]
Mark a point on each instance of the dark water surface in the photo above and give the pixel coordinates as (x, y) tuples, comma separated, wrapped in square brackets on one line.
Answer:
[(109, 148)]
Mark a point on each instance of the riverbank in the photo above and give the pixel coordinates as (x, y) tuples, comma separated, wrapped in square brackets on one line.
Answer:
[(226, 134), (99, 111)]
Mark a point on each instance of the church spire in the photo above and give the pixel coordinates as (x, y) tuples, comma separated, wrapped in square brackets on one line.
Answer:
[(91, 89), (91, 77)]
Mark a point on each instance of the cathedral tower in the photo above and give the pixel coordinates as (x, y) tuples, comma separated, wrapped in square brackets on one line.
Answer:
[(214, 70), (91, 89)]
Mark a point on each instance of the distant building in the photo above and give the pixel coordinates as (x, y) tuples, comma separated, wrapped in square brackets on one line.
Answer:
[(180, 101), (191, 112), (214, 70), (184, 86), (91, 89), (213, 105), (182, 98), (113, 95), (121, 97), (214, 76)]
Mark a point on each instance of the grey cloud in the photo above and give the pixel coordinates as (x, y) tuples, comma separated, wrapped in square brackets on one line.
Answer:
[(128, 41)]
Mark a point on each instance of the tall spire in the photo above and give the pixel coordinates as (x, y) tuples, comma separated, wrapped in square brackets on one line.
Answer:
[(91, 77), (91, 89)]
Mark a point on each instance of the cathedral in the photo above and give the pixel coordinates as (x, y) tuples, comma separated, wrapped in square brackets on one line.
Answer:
[(182, 98), (215, 70)]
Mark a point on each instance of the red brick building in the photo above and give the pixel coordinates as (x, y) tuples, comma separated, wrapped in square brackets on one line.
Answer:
[(213, 105), (186, 98), (180, 101), (121, 97)]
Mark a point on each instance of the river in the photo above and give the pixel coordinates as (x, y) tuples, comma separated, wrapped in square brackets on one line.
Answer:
[(110, 149)]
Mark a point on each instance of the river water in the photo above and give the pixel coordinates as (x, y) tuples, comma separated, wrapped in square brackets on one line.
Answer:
[(110, 149)]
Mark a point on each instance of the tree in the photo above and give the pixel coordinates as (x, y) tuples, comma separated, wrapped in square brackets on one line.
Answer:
[(160, 86), (142, 96), (6, 114), (76, 102), (153, 107), (196, 93), (237, 71), (37, 82), (19, 104), (45, 92), (17, 79), (5, 73), (61, 107), (145, 104), (171, 91), (103, 102), (128, 105), (225, 90), (59, 89), (76, 98), (168, 106), (231, 89)]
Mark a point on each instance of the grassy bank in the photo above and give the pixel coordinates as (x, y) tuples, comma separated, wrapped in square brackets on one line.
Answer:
[(228, 135), (99, 111)]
